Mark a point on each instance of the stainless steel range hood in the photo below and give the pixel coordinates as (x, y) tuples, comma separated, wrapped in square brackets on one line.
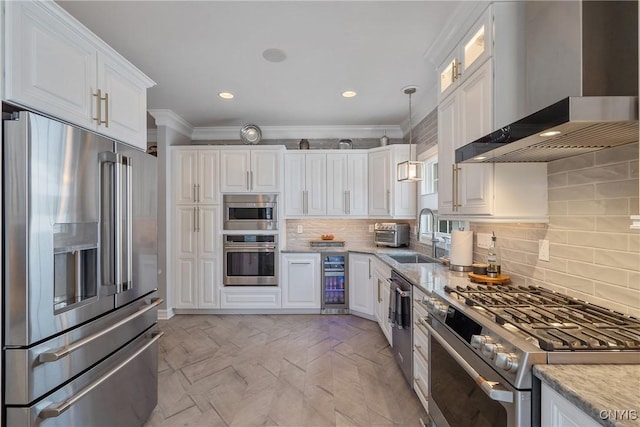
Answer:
[(573, 126), (587, 53)]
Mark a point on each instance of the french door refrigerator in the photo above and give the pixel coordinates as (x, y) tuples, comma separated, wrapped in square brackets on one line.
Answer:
[(335, 286), (80, 277)]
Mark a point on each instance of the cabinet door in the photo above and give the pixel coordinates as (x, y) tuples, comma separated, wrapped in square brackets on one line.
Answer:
[(186, 257), (379, 180), (316, 184), (337, 187), (185, 171), (386, 326), (209, 258), (125, 109), (49, 68), (208, 177), (403, 194), (476, 46), (361, 289), (265, 171), (294, 184), (448, 73), (475, 120), (447, 135), (357, 184), (301, 281), (234, 167), (559, 412)]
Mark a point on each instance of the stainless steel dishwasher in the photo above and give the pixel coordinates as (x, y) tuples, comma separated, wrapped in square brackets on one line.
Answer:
[(400, 317)]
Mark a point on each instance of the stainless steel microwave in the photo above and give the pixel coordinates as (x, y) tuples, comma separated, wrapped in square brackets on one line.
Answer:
[(250, 211)]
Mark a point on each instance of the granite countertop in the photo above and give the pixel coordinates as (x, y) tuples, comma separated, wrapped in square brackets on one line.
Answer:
[(598, 388)]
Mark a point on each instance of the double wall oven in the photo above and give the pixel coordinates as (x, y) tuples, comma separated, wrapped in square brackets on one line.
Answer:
[(250, 241), (484, 341)]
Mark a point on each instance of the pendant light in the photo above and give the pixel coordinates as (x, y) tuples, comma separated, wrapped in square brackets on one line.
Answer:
[(410, 171)]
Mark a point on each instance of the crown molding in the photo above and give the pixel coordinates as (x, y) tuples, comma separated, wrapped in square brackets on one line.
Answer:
[(297, 132), (171, 120), (152, 135)]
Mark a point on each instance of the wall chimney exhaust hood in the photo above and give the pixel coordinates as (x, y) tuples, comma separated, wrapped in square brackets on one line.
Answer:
[(573, 126), (580, 84)]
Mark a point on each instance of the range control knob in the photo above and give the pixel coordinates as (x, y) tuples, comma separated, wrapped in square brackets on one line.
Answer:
[(477, 341), (490, 350), (507, 361)]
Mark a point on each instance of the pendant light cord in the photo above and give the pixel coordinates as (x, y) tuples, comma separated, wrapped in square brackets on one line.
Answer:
[(410, 91)]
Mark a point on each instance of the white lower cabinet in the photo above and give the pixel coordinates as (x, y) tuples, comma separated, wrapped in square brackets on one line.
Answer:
[(381, 275), (420, 349), (197, 256), (301, 280), (361, 286), (250, 297), (557, 411)]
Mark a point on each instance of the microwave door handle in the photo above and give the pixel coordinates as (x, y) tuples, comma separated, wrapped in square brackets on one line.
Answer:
[(493, 389)]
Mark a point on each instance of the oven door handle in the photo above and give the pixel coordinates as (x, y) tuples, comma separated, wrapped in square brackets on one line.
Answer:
[(59, 353), (493, 389), (250, 248), (56, 409)]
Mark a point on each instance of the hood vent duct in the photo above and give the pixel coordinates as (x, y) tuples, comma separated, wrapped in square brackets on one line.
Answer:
[(588, 52)]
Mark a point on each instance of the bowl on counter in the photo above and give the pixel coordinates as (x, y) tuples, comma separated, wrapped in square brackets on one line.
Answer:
[(327, 236)]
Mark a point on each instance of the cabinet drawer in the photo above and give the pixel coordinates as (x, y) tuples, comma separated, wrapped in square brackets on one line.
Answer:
[(250, 297), (421, 342), (421, 380)]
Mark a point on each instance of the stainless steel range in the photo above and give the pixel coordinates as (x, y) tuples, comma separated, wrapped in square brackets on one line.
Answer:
[(484, 341)]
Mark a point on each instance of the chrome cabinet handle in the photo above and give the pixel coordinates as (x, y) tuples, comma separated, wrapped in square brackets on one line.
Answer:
[(248, 185), (493, 389), (299, 263), (388, 201), (195, 197), (348, 201), (198, 219), (195, 219), (106, 109), (99, 99), (369, 268), (305, 202), (56, 409), (198, 192), (344, 199), (251, 180), (418, 348), (59, 353)]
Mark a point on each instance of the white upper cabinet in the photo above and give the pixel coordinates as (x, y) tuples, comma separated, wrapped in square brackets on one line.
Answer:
[(196, 172), (251, 170), (305, 184), (55, 66), (470, 107), (347, 184), (472, 51), (389, 198)]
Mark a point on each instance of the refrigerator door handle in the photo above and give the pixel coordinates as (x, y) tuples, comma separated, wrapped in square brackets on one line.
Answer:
[(59, 353), (56, 409)]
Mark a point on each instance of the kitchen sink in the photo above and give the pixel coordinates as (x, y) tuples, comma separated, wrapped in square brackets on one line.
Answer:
[(413, 259)]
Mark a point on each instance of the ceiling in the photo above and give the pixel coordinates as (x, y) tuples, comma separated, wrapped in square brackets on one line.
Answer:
[(195, 49)]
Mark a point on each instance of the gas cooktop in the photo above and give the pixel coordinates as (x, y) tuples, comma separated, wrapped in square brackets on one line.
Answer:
[(554, 320)]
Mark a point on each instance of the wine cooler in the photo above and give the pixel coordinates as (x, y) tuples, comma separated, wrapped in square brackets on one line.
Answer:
[(335, 287)]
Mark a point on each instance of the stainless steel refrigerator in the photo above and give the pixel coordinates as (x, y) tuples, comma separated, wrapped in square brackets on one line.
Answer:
[(80, 277), (335, 285)]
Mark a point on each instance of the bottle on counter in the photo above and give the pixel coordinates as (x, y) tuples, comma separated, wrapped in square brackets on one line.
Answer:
[(493, 260)]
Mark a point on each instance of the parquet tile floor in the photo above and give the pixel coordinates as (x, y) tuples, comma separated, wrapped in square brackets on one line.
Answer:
[(279, 370)]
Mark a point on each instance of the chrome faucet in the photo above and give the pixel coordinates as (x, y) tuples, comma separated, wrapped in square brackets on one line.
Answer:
[(434, 239)]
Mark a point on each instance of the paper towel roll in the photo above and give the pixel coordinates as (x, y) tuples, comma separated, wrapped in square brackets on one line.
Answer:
[(461, 248)]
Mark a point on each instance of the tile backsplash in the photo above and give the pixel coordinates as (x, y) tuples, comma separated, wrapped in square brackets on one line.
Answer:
[(594, 255), (355, 232)]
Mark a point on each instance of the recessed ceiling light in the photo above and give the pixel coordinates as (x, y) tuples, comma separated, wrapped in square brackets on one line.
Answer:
[(480, 158), (550, 133), (349, 93), (274, 55), (225, 95)]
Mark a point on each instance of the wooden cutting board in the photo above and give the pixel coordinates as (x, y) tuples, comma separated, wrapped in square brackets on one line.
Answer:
[(481, 278)]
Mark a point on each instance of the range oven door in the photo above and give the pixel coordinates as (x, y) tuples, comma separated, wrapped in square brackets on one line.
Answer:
[(250, 212), (250, 260), (465, 390)]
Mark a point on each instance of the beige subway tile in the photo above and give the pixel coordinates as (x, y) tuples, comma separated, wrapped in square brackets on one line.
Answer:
[(634, 206), (601, 273), (615, 189), (520, 245), (613, 224), (618, 259), (586, 223), (621, 153), (634, 311), (569, 281), (536, 234), (634, 241), (509, 231), (513, 255), (625, 296), (555, 264), (615, 241), (633, 169), (571, 163), (611, 172), (610, 303), (558, 208), (574, 192), (634, 280), (598, 207), (558, 180), (557, 236)]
